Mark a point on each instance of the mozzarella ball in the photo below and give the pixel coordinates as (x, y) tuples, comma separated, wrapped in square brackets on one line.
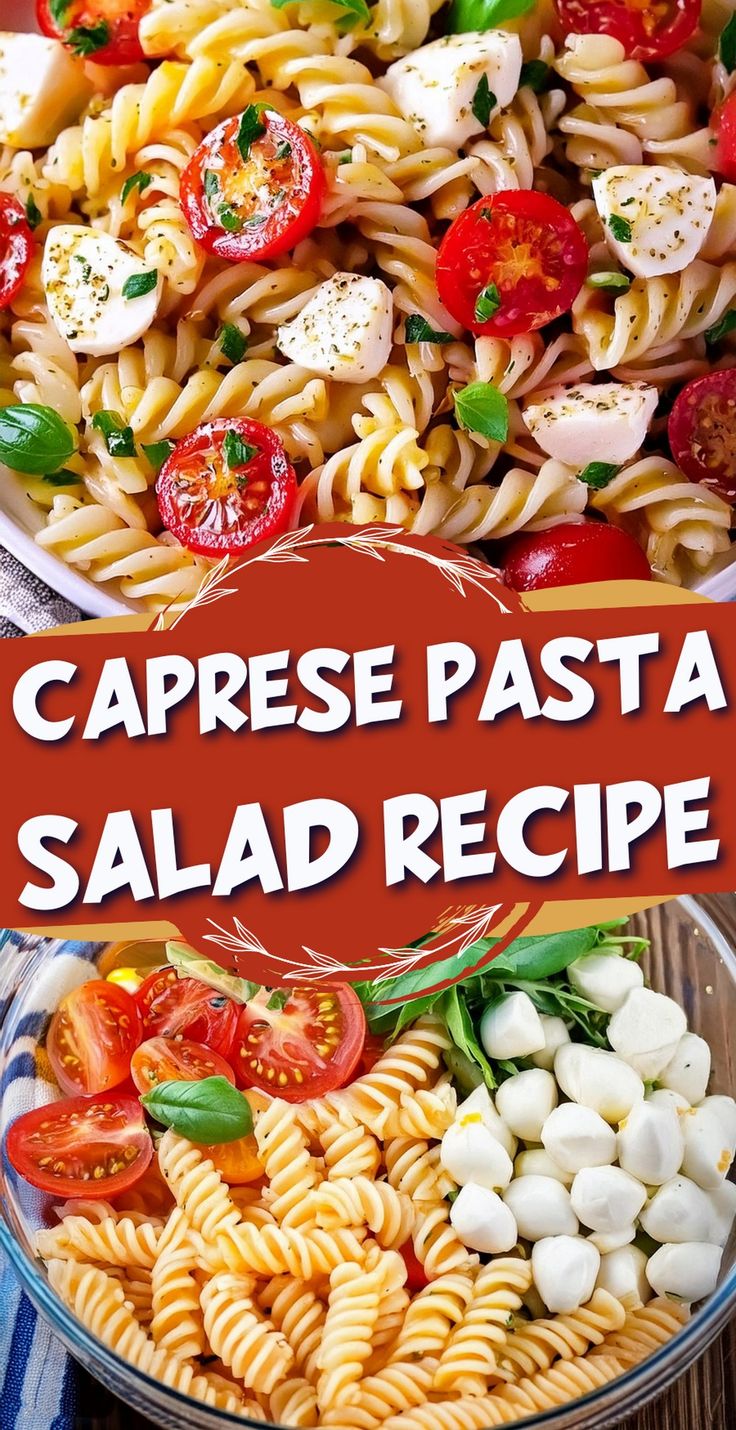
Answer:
[(687, 1269), (623, 1274), (688, 1069), (725, 1110), (598, 1079), (577, 1137), (606, 1198), (535, 1162), (723, 1210), (470, 1153), (709, 1151), (511, 1028), (483, 1221), (525, 1102), (665, 1097), (541, 1206), (344, 333), (678, 1211), (99, 292), (480, 1100), (646, 1029), (565, 1270), (607, 1241), (555, 1034), (650, 1143), (605, 978), (434, 87), (655, 218)]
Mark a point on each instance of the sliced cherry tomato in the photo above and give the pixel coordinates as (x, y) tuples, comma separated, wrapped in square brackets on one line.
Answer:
[(647, 29), (92, 1037), (175, 1060), (81, 1146), (518, 257), (416, 1276), (373, 1048), (304, 1049), (103, 30), (572, 554), (702, 432), (254, 187), (173, 1007), (16, 248), (226, 486), (238, 1162), (724, 125)]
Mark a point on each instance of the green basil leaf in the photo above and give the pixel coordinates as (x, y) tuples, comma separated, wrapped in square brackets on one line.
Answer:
[(542, 955), (535, 75), (727, 45), (33, 212), (278, 999), (236, 452), (608, 279), (467, 15), (119, 438), (64, 478), (139, 180), (233, 345), (86, 40), (58, 9), (487, 303), (230, 220), (157, 452), (465, 1073), (620, 228), (194, 965), (251, 127), (34, 439), (725, 325), (418, 330), (211, 183), (480, 407), (208, 1111), (599, 474), (357, 9), (484, 101), (140, 283)]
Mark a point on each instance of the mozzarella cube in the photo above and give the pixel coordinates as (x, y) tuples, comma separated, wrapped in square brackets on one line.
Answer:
[(593, 423), (623, 1274), (470, 1153), (688, 1070), (541, 1207), (42, 88), (678, 1211), (84, 274), (723, 1209), (655, 218), (525, 1102), (345, 330), (435, 86), (480, 1100), (605, 979), (577, 1137), (536, 1162), (709, 1149), (650, 1143), (483, 1221), (599, 1080), (606, 1241), (565, 1270), (511, 1028), (606, 1198), (725, 1110), (688, 1270), (555, 1034), (646, 1029)]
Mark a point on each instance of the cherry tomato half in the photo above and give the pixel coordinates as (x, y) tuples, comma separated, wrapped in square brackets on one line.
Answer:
[(702, 432), (647, 29), (103, 30), (519, 256), (92, 1037), (723, 123), (226, 486), (81, 1146), (173, 1007), (16, 248), (254, 187), (572, 554), (175, 1060), (238, 1162), (304, 1049)]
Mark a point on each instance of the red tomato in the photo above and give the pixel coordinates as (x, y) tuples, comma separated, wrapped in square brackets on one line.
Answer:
[(238, 1162), (571, 554), (16, 248), (103, 30), (416, 1276), (304, 1049), (523, 246), (226, 486), (173, 1007), (724, 124), (702, 432), (372, 1050), (254, 187), (92, 1037), (647, 29), (171, 1060), (81, 1146)]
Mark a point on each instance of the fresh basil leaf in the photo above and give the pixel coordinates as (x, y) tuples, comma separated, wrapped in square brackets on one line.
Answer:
[(230, 220), (357, 9), (278, 999), (725, 325), (157, 452), (58, 9), (208, 1111), (34, 439), (608, 279), (535, 75), (487, 303), (194, 965), (484, 101), (236, 452), (119, 438), (139, 180), (480, 407), (232, 343), (620, 228), (33, 212), (599, 474), (727, 45), (251, 127), (418, 330), (211, 183), (467, 15), (140, 283), (542, 955), (64, 478), (86, 40)]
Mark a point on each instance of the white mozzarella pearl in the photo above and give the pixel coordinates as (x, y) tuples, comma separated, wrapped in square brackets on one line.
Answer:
[(541, 1206), (688, 1069), (565, 1270), (650, 1143), (646, 1029), (511, 1028), (606, 1198), (483, 1221), (577, 1137), (525, 1102), (598, 1079), (605, 979), (688, 1269)]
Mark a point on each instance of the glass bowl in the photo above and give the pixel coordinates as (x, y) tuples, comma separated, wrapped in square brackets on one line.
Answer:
[(693, 958)]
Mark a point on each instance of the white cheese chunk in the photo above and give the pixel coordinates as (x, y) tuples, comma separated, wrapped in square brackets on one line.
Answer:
[(655, 219), (606, 1241), (606, 1198), (709, 1149), (434, 87), (688, 1270), (42, 88), (592, 422), (480, 1100), (646, 1029), (541, 1207), (565, 1269), (344, 332), (84, 275), (688, 1070), (525, 1102), (536, 1162), (679, 1211), (650, 1142), (555, 1034), (599, 1080), (577, 1137), (605, 979), (483, 1221), (470, 1153), (623, 1275), (512, 1027)]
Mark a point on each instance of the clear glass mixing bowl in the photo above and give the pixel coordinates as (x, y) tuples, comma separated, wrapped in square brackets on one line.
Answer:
[(692, 958)]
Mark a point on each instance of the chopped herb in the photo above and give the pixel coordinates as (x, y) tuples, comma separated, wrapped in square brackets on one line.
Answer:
[(727, 45), (257, 221), (283, 151), (157, 452), (140, 283), (355, 10), (467, 15), (64, 478), (232, 343), (119, 439), (487, 214), (88, 39), (480, 407), (211, 183), (608, 280), (620, 228), (236, 452), (104, 293), (346, 157), (58, 9), (85, 266), (418, 330), (535, 75), (725, 325), (484, 101), (279, 998), (139, 180), (487, 303), (626, 203), (251, 127), (598, 474), (33, 212), (230, 220)]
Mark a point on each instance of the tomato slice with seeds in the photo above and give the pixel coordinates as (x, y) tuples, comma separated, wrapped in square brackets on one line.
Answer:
[(226, 486), (81, 1146), (702, 432), (105, 31), (175, 1060), (518, 256), (92, 1037), (571, 555), (647, 29), (16, 248), (254, 187), (307, 1047), (173, 1007)]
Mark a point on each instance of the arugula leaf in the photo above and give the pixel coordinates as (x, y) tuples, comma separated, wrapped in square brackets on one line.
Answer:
[(727, 45), (140, 283), (725, 325), (251, 127), (599, 474), (480, 407), (534, 74), (620, 228), (208, 1111), (195, 965), (157, 452), (236, 452), (119, 438), (232, 343), (33, 212), (86, 40), (454, 1011), (466, 15), (608, 280), (418, 330), (487, 303), (484, 101), (539, 956), (139, 180)]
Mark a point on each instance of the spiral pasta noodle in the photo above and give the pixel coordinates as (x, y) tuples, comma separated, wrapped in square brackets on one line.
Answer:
[(119, 1240), (470, 1355), (532, 1346), (258, 1354)]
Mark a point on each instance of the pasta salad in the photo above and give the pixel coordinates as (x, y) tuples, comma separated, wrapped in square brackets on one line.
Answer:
[(466, 268), (317, 1207)]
